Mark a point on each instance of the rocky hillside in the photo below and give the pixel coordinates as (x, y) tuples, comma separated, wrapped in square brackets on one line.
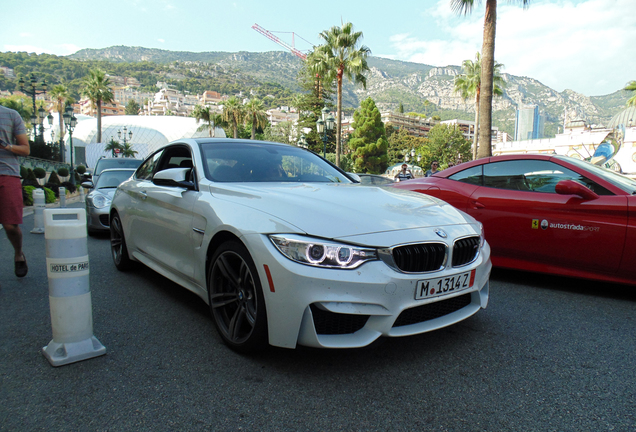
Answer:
[(419, 87)]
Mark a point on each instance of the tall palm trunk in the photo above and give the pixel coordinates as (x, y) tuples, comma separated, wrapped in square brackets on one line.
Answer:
[(487, 66), (339, 122), (476, 134), (99, 121)]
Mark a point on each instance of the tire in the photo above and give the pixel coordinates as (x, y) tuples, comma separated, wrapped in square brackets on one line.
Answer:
[(236, 299), (118, 248)]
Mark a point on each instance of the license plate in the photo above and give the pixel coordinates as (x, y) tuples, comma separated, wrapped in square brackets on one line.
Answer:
[(445, 285)]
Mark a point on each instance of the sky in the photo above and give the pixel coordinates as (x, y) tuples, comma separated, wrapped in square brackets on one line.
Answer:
[(583, 45)]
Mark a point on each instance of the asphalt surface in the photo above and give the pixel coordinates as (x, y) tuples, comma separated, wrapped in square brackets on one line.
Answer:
[(548, 354)]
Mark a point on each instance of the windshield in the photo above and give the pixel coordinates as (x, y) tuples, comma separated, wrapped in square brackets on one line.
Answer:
[(624, 183), (103, 164), (260, 162), (112, 179)]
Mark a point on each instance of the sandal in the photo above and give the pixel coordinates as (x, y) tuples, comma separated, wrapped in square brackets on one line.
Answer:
[(21, 267)]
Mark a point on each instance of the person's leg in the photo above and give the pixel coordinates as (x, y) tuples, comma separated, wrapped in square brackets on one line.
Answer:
[(14, 234)]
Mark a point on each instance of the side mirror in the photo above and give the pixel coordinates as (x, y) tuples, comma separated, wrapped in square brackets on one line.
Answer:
[(173, 177), (355, 177), (88, 185), (570, 187)]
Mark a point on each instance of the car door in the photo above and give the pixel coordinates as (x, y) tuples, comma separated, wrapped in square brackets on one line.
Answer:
[(166, 215), (525, 219)]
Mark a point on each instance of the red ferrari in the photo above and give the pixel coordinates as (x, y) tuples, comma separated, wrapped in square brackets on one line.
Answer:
[(546, 213)]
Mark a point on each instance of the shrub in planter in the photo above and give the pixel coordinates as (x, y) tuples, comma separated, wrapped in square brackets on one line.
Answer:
[(30, 179), (39, 173), (23, 172), (54, 179), (27, 195), (80, 169), (49, 195), (63, 171), (69, 187), (55, 187)]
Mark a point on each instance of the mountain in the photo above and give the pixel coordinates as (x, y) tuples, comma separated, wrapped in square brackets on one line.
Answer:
[(419, 87)]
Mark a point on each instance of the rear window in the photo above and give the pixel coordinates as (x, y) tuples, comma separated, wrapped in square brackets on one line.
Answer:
[(103, 164)]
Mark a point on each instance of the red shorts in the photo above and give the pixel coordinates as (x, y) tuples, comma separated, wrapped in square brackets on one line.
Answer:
[(10, 200)]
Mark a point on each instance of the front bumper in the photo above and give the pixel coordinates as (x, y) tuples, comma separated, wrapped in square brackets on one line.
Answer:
[(330, 308)]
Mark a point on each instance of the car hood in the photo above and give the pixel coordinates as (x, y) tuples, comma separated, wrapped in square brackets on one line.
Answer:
[(336, 210), (109, 192)]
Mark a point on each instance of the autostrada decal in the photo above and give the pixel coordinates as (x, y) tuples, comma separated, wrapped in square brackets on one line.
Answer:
[(544, 224)]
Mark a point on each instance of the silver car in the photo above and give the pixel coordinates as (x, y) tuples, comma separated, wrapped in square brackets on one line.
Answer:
[(99, 198)]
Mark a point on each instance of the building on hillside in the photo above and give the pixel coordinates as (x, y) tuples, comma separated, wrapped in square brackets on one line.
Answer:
[(466, 126), (108, 109), (7, 71), (413, 125), (211, 98), (125, 94), (276, 116), (529, 123)]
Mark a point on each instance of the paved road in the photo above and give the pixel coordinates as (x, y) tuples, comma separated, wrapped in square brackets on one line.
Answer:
[(549, 354)]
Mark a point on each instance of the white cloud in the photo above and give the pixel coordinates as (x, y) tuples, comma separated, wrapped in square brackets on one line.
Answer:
[(585, 46), (161, 40)]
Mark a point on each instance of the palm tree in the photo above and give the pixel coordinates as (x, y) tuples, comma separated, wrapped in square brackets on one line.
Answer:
[(487, 67), (341, 56), (631, 87), (127, 150), (60, 96), (255, 112), (201, 113), (233, 113), (96, 89), (113, 145), (468, 85)]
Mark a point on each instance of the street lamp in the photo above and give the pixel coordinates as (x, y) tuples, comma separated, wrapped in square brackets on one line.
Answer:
[(70, 121), (33, 93), (323, 125), (119, 134)]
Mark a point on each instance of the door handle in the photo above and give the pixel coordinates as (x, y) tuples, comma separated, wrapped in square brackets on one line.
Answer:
[(476, 204), (143, 194)]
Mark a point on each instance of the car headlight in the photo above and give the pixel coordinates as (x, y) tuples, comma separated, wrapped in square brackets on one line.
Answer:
[(99, 201), (482, 235), (321, 253)]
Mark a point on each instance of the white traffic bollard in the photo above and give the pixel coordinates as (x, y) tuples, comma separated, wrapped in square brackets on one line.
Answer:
[(81, 193), (69, 288), (39, 203), (62, 197)]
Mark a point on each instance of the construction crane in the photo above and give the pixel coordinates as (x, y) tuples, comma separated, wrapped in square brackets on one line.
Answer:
[(275, 38)]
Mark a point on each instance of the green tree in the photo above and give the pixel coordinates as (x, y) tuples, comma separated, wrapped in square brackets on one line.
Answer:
[(127, 151), (400, 108), (132, 107), (61, 97), (368, 140), (487, 67), (445, 144), (233, 113), (631, 87), (113, 145), (96, 87), (468, 85), (341, 56), (400, 143), (255, 113), (204, 114)]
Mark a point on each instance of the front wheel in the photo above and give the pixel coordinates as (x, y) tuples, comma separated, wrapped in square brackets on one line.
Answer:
[(236, 299), (118, 248)]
